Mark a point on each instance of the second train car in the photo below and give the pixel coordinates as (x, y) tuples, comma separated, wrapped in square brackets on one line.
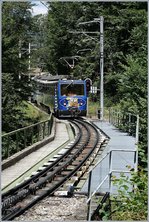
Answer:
[(71, 98)]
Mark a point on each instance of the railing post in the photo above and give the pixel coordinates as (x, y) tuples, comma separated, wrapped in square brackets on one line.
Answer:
[(38, 129), (89, 194), (32, 134), (17, 144), (136, 143), (43, 130), (109, 114), (110, 170), (134, 123), (115, 119), (7, 146), (129, 123), (124, 122), (121, 122), (49, 122), (112, 116), (24, 138), (46, 132)]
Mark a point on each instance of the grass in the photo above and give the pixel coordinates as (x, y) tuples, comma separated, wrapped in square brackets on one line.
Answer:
[(34, 113), (93, 108)]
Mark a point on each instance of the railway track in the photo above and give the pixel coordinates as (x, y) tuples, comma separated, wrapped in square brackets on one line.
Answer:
[(73, 162)]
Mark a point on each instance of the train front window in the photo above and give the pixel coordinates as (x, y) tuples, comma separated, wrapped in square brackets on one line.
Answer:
[(72, 90)]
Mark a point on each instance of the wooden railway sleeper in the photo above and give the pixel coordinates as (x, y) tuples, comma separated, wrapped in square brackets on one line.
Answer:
[(42, 181)]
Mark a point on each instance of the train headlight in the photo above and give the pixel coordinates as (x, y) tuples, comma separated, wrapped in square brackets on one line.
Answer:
[(81, 102), (65, 104)]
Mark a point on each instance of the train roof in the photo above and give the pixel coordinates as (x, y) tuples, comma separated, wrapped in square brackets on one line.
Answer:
[(71, 81)]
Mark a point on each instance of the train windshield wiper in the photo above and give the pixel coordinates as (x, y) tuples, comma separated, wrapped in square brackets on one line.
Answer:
[(69, 85)]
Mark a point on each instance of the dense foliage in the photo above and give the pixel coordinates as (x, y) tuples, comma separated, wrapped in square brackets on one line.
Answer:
[(16, 23), (131, 204), (131, 200), (125, 51)]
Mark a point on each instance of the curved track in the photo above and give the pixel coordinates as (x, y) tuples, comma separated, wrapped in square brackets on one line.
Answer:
[(46, 182)]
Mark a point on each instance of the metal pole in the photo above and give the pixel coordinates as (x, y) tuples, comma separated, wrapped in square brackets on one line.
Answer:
[(101, 69), (87, 106), (89, 195), (110, 171), (136, 143), (101, 20)]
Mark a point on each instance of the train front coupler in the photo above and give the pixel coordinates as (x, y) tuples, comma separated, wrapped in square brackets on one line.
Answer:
[(74, 111)]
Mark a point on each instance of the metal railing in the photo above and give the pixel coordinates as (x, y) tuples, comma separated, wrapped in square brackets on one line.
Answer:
[(18, 140), (129, 123), (108, 176), (125, 121)]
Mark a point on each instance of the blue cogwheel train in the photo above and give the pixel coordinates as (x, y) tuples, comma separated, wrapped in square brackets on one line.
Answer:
[(71, 98)]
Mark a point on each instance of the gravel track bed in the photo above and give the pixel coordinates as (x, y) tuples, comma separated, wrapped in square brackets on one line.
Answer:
[(57, 208)]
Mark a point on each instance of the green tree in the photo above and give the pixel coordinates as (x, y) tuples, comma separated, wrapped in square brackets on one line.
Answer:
[(10, 103), (16, 23), (39, 36)]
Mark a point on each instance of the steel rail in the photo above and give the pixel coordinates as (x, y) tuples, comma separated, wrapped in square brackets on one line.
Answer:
[(51, 176), (23, 184), (39, 183)]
